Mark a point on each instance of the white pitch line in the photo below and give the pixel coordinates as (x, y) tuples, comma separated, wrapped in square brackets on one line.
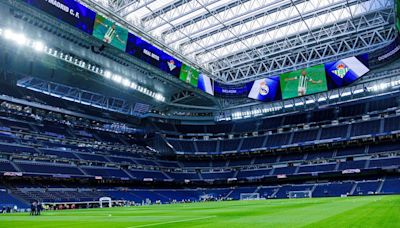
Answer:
[(176, 221)]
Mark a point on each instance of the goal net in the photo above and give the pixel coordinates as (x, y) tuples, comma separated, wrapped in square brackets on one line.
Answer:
[(300, 194), (249, 196)]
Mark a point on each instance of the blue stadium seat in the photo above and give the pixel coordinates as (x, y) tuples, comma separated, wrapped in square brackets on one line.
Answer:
[(276, 140), (350, 151), (391, 124), (391, 186), (385, 162), (332, 189), (334, 132), (207, 146), (285, 170), (217, 175), (317, 168), (352, 165), (105, 172), (366, 128), (366, 187), (48, 168), (387, 147), (254, 173), (305, 136), (6, 166), (252, 143), (230, 145)]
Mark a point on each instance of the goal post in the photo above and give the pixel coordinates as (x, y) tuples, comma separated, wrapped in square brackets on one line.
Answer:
[(249, 196), (300, 194), (106, 200)]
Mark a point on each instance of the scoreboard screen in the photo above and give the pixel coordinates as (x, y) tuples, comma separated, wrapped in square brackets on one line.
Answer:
[(69, 11), (303, 82), (147, 52), (189, 75), (266, 89), (110, 33)]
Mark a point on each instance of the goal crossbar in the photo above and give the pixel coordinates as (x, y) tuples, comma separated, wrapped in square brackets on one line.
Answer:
[(249, 196)]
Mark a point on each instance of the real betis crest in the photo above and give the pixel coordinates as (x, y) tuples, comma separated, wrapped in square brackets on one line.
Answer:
[(341, 70), (171, 65)]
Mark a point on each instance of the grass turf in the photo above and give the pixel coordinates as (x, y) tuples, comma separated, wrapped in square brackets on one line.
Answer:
[(369, 211)]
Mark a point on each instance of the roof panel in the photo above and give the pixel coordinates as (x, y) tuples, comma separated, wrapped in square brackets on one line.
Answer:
[(223, 36)]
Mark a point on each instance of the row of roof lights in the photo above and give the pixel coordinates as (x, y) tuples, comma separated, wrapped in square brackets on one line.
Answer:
[(22, 40)]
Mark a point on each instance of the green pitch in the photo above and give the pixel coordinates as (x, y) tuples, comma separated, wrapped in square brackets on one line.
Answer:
[(373, 211)]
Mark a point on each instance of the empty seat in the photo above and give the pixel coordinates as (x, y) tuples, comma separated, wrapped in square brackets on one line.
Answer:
[(350, 151), (6, 166), (365, 128), (305, 136), (277, 140), (217, 175), (230, 145), (391, 186), (386, 162), (48, 168), (285, 170), (367, 187), (352, 165), (392, 124), (241, 162), (106, 172), (317, 168), (248, 126), (334, 132), (207, 146), (389, 147), (253, 143), (253, 173)]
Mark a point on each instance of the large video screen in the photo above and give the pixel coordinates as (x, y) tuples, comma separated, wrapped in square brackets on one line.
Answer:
[(346, 71), (266, 89), (152, 55), (69, 11), (303, 82), (230, 90), (206, 84), (110, 33), (189, 75)]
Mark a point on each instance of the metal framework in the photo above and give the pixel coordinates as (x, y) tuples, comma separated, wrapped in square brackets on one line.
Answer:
[(241, 40), (181, 95), (84, 97)]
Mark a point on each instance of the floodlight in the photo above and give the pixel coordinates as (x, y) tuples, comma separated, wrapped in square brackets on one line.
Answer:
[(107, 74), (38, 46), (8, 34), (20, 39), (117, 78), (133, 85), (126, 82)]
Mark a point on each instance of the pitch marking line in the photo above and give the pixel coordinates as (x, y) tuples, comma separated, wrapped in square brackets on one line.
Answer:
[(176, 221)]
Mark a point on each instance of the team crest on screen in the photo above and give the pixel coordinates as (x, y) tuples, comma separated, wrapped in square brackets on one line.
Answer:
[(171, 65), (341, 70), (264, 89)]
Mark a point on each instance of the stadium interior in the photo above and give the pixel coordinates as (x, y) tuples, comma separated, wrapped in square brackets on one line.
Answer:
[(177, 101)]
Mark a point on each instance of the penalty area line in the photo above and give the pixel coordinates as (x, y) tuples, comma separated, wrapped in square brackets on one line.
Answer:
[(169, 222)]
